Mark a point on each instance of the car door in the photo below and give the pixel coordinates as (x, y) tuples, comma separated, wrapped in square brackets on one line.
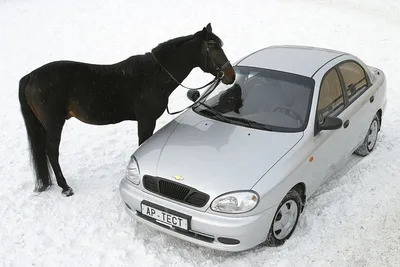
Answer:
[(330, 145), (359, 99)]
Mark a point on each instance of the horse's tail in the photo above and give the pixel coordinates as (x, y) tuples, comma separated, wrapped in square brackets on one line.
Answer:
[(36, 138)]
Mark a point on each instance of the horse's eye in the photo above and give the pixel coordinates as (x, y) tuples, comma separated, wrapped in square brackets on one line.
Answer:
[(215, 46)]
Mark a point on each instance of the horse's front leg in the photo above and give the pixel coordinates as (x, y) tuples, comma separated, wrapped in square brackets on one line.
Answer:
[(145, 129)]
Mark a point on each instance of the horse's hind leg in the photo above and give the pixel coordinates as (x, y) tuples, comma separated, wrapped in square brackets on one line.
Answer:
[(53, 139)]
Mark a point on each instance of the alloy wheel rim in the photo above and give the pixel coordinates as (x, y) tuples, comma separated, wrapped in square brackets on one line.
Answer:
[(285, 219)]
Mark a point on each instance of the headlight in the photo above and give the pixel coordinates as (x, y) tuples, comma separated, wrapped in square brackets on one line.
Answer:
[(132, 172), (235, 202)]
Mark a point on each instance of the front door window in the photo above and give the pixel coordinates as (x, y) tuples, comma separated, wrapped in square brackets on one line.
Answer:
[(330, 101)]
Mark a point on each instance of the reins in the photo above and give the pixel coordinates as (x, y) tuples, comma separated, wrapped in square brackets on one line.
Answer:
[(173, 78), (217, 78), (198, 100)]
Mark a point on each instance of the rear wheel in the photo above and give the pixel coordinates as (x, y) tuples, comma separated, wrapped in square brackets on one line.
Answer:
[(285, 219), (370, 139)]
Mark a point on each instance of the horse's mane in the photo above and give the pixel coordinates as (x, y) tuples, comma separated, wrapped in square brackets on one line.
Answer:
[(175, 42), (179, 41)]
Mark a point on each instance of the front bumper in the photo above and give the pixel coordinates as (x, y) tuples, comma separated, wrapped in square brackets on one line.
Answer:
[(205, 229)]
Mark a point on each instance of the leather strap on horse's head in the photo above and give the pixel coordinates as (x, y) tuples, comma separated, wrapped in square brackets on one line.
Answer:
[(217, 78)]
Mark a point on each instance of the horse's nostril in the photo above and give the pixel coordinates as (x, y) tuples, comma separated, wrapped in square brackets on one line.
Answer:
[(231, 74), (228, 79)]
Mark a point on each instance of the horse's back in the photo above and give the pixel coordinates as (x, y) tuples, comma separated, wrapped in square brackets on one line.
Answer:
[(93, 93)]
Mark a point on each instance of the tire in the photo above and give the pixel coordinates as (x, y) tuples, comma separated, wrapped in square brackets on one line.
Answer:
[(277, 237), (370, 139)]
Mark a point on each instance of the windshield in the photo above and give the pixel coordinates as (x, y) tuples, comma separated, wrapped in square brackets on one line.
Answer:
[(278, 100)]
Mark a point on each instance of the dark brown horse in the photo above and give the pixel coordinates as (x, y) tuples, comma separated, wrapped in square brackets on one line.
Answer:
[(134, 89)]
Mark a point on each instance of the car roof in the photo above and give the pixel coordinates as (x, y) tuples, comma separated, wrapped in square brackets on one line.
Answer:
[(301, 60)]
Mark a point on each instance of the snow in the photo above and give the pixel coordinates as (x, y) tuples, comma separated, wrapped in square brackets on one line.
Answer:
[(352, 221)]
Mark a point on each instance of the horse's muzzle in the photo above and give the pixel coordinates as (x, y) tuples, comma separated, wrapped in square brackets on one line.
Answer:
[(229, 76)]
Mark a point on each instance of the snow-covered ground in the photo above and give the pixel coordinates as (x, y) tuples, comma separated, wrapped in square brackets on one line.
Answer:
[(352, 221)]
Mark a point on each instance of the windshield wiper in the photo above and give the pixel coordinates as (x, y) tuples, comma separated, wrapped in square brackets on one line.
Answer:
[(251, 123), (229, 119), (215, 112)]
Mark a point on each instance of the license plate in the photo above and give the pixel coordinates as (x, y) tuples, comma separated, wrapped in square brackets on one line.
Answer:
[(169, 218)]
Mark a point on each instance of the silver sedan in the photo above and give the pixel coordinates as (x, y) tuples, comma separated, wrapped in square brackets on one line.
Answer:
[(234, 171)]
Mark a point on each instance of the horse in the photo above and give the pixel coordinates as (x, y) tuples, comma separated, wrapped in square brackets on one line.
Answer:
[(135, 89)]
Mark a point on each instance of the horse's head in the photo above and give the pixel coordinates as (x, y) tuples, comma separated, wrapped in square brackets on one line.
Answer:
[(215, 60)]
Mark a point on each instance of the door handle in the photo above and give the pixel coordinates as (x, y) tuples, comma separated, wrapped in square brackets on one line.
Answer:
[(346, 123), (371, 99)]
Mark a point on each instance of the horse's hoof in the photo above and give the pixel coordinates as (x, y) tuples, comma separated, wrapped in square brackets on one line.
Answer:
[(41, 188), (68, 192)]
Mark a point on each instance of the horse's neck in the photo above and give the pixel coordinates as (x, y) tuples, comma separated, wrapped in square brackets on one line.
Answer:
[(179, 64)]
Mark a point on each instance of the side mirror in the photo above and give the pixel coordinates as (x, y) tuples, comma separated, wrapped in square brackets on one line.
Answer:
[(193, 95), (331, 123)]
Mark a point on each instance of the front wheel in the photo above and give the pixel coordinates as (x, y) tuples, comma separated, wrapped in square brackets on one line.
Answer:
[(285, 219), (370, 139)]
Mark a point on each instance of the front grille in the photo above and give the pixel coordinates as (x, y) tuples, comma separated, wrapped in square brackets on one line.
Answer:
[(150, 184), (176, 191), (198, 198)]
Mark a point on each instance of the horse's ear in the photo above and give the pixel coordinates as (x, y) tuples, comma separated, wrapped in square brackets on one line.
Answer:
[(209, 29), (205, 33)]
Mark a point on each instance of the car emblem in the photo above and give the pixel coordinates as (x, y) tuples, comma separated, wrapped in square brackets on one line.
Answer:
[(178, 177)]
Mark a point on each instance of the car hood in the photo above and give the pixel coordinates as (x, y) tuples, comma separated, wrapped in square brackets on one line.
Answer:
[(213, 156)]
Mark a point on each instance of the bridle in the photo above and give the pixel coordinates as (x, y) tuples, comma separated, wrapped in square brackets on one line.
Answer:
[(217, 78), (219, 69)]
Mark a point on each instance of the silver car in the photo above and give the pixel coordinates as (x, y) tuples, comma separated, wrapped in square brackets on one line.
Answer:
[(235, 170)]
